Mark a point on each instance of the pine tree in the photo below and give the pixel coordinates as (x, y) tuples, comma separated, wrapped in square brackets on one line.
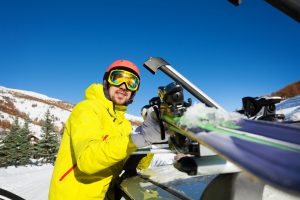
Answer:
[(15, 146), (3, 152), (48, 145), (11, 145), (25, 146)]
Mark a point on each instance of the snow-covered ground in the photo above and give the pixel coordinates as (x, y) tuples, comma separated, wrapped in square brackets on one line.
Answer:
[(29, 182), (32, 182)]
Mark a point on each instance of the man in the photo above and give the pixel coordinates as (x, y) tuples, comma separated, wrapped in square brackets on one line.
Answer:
[(97, 139)]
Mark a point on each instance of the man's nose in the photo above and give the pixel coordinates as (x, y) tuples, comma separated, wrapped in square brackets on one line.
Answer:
[(123, 86)]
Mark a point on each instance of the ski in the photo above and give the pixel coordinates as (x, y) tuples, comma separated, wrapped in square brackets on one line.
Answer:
[(266, 150), (273, 161)]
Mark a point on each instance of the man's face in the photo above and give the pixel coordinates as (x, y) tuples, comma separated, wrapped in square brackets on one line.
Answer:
[(119, 94)]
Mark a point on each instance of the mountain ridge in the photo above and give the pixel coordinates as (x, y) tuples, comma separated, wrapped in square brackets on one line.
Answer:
[(22, 104), (291, 90)]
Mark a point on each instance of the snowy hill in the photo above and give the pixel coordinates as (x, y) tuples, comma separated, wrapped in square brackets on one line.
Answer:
[(26, 104), (288, 91), (290, 108)]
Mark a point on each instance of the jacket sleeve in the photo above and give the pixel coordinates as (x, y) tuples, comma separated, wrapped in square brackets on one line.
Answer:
[(93, 153)]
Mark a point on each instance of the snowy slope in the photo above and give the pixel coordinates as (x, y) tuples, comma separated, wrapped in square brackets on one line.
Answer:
[(290, 108), (29, 93), (22, 104), (25, 104)]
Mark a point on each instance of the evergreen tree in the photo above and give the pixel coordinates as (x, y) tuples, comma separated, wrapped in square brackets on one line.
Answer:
[(3, 152), (10, 147), (15, 146), (25, 146), (48, 145)]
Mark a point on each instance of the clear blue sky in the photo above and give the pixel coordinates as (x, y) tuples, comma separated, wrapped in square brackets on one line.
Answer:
[(58, 48)]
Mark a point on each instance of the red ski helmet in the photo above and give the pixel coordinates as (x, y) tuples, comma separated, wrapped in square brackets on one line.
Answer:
[(120, 64), (125, 64)]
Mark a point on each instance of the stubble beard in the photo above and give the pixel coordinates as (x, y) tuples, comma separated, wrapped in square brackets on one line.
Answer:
[(119, 99)]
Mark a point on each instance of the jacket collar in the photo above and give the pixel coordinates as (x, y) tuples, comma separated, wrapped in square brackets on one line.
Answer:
[(95, 92)]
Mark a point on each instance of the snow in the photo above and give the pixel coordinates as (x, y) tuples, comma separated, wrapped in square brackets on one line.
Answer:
[(201, 114), (34, 109), (289, 103), (30, 93), (133, 118), (29, 182), (32, 182), (291, 114), (294, 115), (290, 108), (40, 109), (35, 129), (162, 159)]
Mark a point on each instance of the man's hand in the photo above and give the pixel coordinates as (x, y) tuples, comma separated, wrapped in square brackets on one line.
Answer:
[(149, 132)]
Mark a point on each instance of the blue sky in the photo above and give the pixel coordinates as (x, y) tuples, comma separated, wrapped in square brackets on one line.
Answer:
[(58, 48)]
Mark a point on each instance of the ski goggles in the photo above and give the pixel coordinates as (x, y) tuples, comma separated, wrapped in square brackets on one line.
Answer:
[(118, 77)]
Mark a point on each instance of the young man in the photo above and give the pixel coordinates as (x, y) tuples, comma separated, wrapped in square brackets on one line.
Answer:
[(97, 139)]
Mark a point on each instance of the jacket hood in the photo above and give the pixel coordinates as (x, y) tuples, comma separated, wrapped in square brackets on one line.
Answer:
[(96, 92)]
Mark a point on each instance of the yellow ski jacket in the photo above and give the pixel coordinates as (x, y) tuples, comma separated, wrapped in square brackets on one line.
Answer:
[(95, 144)]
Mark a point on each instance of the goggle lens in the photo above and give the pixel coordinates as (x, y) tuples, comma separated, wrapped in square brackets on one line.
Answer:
[(118, 77)]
